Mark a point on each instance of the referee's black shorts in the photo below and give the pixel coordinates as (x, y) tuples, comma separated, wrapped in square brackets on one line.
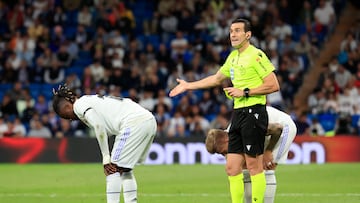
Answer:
[(248, 130)]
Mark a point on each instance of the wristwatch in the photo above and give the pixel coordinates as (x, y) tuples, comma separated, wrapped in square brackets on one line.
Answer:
[(246, 92)]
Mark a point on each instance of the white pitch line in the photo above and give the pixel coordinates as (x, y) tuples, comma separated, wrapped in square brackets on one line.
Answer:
[(84, 195)]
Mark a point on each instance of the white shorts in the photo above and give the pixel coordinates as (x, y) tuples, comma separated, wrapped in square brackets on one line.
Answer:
[(281, 149), (131, 146)]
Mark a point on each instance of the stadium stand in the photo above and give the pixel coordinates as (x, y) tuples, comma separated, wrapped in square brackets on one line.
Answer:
[(121, 30)]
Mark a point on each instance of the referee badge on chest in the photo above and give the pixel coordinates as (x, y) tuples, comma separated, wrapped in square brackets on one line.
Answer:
[(232, 73)]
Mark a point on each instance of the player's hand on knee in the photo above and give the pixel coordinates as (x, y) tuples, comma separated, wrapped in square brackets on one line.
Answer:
[(269, 165), (110, 169)]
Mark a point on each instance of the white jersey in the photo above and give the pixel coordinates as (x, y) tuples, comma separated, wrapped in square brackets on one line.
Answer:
[(114, 112), (133, 125), (288, 134)]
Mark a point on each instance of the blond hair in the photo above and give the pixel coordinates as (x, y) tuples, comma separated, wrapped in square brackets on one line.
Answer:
[(213, 137)]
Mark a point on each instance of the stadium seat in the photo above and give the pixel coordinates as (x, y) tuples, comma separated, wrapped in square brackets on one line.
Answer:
[(355, 120), (328, 121)]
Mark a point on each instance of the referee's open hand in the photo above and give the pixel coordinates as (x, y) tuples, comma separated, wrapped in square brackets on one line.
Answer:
[(180, 88)]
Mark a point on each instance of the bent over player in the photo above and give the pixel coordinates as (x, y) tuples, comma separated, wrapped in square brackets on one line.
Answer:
[(281, 133), (133, 126)]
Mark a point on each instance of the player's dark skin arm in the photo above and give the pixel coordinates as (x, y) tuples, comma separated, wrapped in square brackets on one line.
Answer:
[(274, 130), (110, 169)]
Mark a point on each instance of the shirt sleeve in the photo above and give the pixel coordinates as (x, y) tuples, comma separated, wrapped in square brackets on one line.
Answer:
[(97, 124), (263, 65), (91, 118)]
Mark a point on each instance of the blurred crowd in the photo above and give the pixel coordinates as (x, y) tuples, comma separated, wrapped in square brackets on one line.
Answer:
[(137, 49)]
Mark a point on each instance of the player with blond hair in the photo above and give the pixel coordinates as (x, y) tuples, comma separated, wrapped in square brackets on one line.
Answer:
[(280, 134)]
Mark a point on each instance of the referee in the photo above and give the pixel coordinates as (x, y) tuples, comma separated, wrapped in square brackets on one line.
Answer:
[(252, 75)]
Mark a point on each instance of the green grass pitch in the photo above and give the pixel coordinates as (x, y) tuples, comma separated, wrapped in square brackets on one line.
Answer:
[(76, 183)]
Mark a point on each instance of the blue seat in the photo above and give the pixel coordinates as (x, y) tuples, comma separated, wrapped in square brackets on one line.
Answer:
[(5, 87), (328, 121), (84, 54), (70, 31), (78, 70), (83, 61), (354, 120)]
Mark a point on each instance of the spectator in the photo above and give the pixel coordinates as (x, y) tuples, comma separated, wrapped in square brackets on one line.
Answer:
[(41, 105), (163, 98), (16, 92), (316, 128), (82, 38), (23, 100), (24, 73), (302, 125), (63, 56), (324, 16), (73, 82), (97, 70), (58, 17), (8, 107), (55, 74), (345, 102), (342, 76), (349, 43), (65, 129), (16, 128), (84, 17), (198, 124), (46, 58), (3, 126), (39, 130), (282, 29), (28, 112), (168, 25), (316, 101), (179, 44), (331, 104), (36, 30), (206, 104), (163, 119), (306, 13), (343, 125), (147, 100), (177, 126), (126, 20), (88, 80)]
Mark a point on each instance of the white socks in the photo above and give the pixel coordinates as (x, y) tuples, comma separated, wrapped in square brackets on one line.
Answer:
[(113, 188), (129, 187), (247, 186), (114, 184), (270, 186)]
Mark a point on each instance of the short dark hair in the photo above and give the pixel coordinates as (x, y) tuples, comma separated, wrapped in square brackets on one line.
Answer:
[(247, 24), (63, 93)]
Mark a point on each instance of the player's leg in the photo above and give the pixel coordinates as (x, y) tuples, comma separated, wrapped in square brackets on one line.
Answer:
[(235, 159), (257, 176), (235, 176), (129, 187), (270, 186), (131, 146), (253, 131), (113, 188), (247, 186)]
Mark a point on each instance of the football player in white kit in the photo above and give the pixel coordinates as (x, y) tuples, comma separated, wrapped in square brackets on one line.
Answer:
[(134, 128), (281, 133)]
